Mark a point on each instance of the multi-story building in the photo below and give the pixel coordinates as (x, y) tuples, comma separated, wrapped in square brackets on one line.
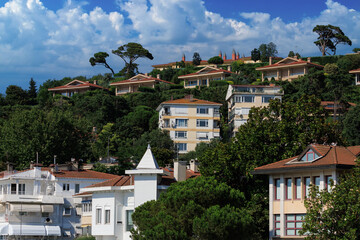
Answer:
[(241, 98), (38, 203), (204, 76), (357, 75), (108, 206), (132, 85), (74, 87), (287, 69), (190, 121), (290, 180)]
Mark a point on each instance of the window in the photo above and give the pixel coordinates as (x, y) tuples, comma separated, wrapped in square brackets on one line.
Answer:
[(13, 188), (277, 224), (297, 188), (22, 189), (192, 83), (266, 99), (328, 180), (86, 206), (317, 182), (294, 224), (181, 122), (277, 189), (204, 82), (129, 222), (202, 123), (98, 216), (45, 214), (202, 110), (309, 156), (202, 135), (180, 134), (181, 147), (23, 213), (306, 186), (107, 216), (66, 187), (181, 110), (67, 211), (239, 99), (77, 188), (288, 189)]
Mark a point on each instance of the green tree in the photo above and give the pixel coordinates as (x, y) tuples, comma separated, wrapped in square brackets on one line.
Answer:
[(334, 214), (130, 52), (267, 50), (32, 92), (216, 60), (355, 50), (196, 59), (16, 95), (100, 59), (329, 37), (351, 127), (291, 54), (255, 55), (200, 208)]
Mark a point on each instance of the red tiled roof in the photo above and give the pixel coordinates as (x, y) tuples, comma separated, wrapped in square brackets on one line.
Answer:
[(355, 71), (140, 80), (210, 72), (339, 105), (85, 85), (191, 101), (299, 62), (115, 182), (83, 174), (335, 156)]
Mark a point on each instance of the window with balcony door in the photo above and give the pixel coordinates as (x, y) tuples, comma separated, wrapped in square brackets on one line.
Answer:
[(328, 182), (107, 216), (277, 224), (298, 188), (21, 189), (98, 215), (129, 221), (294, 224), (306, 186), (13, 188), (202, 123), (181, 122), (288, 189), (180, 134), (277, 189), (66, 187), (202, 110)]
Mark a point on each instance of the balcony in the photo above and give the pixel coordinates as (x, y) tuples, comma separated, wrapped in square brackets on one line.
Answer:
[(45, 199)]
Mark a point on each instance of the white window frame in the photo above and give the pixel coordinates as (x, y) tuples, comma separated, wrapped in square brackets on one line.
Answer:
[(98, 214), (66, 187), (198, 122), (177, 133), (202, 110), (107, 216), (181, 119)]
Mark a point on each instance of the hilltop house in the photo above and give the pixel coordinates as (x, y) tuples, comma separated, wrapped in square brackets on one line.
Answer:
[(204, 76), (108, 206), (190, 121), (132, 85), (357, 75), (74, 87), (37, 203), (287, 69), (241, 98), (290, 180)]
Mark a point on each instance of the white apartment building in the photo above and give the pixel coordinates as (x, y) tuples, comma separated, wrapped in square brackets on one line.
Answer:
[(37, 203), (190, 121), (241, 98)]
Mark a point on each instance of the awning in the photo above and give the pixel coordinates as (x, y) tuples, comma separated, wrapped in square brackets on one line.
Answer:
[(4, 228), (47, 208), (26, 230), (53, 230), (25, 208)]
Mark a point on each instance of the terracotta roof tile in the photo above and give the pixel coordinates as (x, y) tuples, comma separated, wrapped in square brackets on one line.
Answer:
[(191, 101), (140, 80), (299, 62), (355, 71), (83, 174), (210, 72), (114, 182), (85, 85), (331, 156)]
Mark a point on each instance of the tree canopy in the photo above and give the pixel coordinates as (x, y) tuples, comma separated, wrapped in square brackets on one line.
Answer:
[(267, 50), (329, 37), (196, 59), (216, 60), (100, 59)]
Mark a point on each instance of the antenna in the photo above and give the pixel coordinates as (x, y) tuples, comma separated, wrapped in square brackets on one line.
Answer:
[(37, 158)]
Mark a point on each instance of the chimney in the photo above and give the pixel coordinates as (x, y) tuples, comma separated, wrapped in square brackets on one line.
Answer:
[(183, 57), (146, 74), (309, 59), (224, 58), (95, 82), (32, 165), (220, 54), (296, 57), (9, 167), (237, 55), (229, 68), (233, 55), (270, 60), (180, 170), (194, 165), (158, 76)]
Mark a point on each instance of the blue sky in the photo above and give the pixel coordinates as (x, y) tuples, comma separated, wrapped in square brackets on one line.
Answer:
[(52, 39)]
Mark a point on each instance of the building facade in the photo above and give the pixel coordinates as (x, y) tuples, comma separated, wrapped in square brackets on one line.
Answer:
[(287, 69), (132, 85), (190, 121), (290, 180), (241, 98), (74, 87), (204, 76), (356, 72)]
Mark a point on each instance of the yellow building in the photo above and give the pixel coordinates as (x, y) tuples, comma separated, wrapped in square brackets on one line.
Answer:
[(287, 69), (241, 98), (290, 180), (190, 121), (204, 76), (132, 85)]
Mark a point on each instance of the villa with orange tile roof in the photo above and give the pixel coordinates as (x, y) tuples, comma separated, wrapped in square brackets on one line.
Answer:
[(204, 76), (73, 87), (108, 206), (132, 85), (290, 180), (357, 75), (190, 121), (38, 203), (287, 69)]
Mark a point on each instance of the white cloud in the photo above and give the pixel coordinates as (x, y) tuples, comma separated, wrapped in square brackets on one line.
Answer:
[(37, 41)]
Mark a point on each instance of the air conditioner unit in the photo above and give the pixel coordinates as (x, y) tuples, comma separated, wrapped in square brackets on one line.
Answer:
[(48, 220)]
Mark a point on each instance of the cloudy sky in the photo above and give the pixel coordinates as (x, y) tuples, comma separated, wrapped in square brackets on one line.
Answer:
[(52, 39)]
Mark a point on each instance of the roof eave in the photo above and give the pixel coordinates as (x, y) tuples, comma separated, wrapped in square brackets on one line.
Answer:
[(300, 168)]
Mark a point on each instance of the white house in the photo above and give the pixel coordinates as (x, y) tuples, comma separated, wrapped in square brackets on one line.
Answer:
[(108, 206), (38, 203)]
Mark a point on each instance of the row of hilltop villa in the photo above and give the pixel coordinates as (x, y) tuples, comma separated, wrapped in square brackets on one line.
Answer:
[(67, 201)]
